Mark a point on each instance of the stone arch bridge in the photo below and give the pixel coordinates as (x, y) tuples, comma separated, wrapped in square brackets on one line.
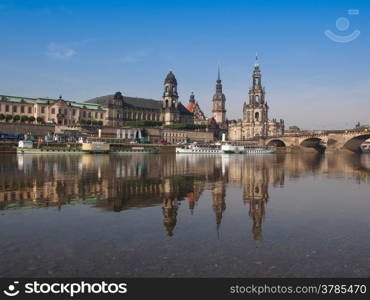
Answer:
[(335, 140)]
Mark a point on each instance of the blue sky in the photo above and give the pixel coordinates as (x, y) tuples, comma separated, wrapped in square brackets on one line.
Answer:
[(83, 49)]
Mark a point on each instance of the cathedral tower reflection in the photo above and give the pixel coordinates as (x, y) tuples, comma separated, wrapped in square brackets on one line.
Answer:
[(119, 183), (218, 201), (169, 208)]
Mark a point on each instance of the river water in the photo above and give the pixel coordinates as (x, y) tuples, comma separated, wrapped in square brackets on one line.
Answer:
[(283, 215)]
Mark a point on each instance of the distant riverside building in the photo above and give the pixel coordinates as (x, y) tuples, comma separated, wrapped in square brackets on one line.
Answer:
[(58, 111), (115, 110), (255, 121), (198, 115), (169, 110)]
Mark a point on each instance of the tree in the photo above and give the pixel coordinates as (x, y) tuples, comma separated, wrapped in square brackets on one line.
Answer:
[(31, 119), (24, 119), (100, 123), (88, 122), (82, 122), (2, 117), (39, 120), (16, 118), (8, 118)]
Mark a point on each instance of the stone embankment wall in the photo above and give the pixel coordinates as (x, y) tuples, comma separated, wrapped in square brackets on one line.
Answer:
[(32, 129)]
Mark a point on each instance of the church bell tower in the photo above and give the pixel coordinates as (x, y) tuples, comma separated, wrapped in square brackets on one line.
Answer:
[(256, 111), (170, 112), (219, 111)]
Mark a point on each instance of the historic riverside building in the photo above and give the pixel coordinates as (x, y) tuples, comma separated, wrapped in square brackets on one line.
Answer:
[(255, 121), (58, 111), (198, 115), (110, 110), (169, 110)]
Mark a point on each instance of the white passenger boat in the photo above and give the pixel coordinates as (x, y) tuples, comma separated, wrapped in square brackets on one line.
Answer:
[(232, 149), (223, 149), (259, 150), (199, 149)]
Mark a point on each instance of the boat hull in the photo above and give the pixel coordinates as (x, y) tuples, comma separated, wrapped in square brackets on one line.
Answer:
[(47, 151), (95, 148)]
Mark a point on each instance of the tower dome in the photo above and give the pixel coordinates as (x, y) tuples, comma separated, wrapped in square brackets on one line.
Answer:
[(170, 78)]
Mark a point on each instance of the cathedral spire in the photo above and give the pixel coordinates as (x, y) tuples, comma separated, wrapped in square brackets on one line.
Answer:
[(256, 64), (219, 111), (257, 74), (218, 82), (192, 98)]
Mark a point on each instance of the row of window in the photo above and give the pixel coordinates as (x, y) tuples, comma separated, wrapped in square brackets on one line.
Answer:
[(14, 109), (28, 109), (174, 134), (138, 116)]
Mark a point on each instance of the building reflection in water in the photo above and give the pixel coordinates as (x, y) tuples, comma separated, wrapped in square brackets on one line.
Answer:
[(117, 183)]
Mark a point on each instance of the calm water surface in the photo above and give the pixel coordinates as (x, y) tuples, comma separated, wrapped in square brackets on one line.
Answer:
[(185, 216)]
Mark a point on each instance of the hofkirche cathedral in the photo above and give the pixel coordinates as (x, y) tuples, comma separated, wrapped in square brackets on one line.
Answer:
[(115, 109)]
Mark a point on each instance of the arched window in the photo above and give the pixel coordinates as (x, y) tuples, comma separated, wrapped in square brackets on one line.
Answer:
[(257, 116)]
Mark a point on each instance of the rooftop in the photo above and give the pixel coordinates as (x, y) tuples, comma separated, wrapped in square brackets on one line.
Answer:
[(30, 100)]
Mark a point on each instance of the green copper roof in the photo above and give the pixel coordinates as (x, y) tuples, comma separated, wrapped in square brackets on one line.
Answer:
[(29, 100)]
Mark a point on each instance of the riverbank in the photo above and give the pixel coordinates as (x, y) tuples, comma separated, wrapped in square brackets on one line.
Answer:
[(11, 147)]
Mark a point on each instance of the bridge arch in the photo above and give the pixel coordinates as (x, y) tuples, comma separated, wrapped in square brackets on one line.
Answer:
[(276, 143), (313, 142), (355, 142)]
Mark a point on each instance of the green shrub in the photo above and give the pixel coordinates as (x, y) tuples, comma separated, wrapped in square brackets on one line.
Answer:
[(24, 119), (143, 123), (186, 126)]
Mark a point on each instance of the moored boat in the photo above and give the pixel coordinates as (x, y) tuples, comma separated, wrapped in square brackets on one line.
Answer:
[(223, 149), (96, 147), (232, 149), (199, 149), (259, 150), (27, 147)]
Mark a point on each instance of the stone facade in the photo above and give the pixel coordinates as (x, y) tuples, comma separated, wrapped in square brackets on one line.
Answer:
[(198, 115), (169, 110), (177, 136), (255, 121), (31, 129), (57, 111)]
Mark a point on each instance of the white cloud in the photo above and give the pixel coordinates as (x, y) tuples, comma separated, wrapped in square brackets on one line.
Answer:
[(134, 57), (60, 52)]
